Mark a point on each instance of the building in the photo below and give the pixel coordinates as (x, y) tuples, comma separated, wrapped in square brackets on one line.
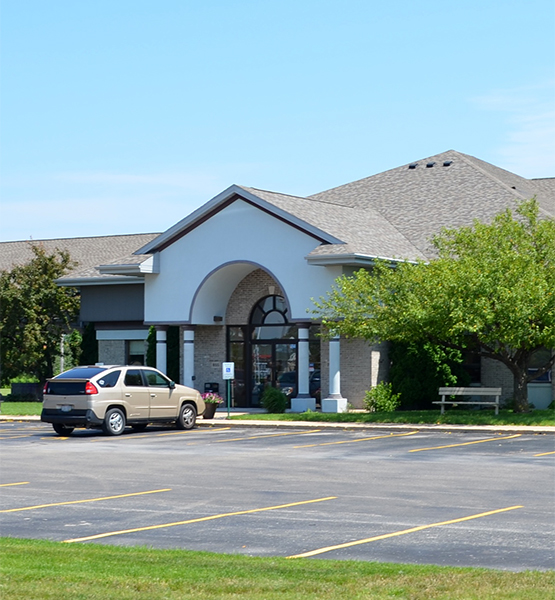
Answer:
[(238, 275)]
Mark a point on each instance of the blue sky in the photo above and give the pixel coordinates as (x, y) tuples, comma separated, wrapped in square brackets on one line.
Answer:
[(123, 116)]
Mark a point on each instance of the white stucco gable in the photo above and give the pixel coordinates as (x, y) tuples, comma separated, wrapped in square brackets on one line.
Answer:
[(202, 261)]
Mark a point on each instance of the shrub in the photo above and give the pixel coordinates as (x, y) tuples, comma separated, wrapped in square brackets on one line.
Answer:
[(274, 400), (419, 369), (381, 399), (24, 378)]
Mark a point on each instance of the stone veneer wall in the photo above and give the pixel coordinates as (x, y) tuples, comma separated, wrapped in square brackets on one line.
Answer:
[(210, 343), (111, 352), (496, 374), (249, 291), (362, 367)]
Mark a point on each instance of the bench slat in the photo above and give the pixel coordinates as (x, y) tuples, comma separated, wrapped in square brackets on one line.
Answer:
[(469, 391)]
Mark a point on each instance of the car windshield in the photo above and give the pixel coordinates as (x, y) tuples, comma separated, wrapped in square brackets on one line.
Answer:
[(81, 373)]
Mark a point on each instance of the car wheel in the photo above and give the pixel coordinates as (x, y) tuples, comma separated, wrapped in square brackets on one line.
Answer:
[(139, 426), (187, 417), (62, 429), (114, 422)]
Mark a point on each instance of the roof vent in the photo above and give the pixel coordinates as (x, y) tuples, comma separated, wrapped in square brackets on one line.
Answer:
[(413, 165), (447, 163), (430, 165)]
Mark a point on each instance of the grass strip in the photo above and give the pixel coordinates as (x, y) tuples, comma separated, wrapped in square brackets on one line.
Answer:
[(38, 569), (416, 417), (21, 409)]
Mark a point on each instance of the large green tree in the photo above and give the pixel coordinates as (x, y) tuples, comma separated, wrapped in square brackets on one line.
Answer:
[(34, 313), (490, 290)]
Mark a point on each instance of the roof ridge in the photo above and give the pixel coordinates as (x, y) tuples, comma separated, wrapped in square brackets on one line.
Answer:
[(309, 198), (469, 159)]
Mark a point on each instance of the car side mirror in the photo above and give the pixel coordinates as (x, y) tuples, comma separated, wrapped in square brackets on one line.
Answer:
[(172, 385)]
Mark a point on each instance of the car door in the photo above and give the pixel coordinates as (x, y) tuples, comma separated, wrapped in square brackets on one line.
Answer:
[(136, 395), (163, 402)]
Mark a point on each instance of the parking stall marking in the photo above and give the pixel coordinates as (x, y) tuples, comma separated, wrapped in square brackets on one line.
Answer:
[(18, 483), (544, 453), (508, 437), (9, 510), (15, 436), (378, 437), (132, 436), (199, 520), (263, 437), (403, 532)]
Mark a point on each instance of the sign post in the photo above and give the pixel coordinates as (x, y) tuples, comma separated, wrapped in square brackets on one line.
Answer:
[(228, 373)]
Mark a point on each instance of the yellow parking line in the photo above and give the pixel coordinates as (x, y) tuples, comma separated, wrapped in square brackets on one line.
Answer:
[(83, 501), (133, 436), (196, 431), (14, 437), (199, 520), (403, 532), (544, 453), (508, 437), (378, 437), (19, 483), (263, 437)]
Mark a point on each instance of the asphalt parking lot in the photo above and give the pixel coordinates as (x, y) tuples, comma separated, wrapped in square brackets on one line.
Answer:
[(447, 498)]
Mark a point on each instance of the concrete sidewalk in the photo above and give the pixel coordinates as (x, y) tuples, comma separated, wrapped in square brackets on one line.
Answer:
[(221, 419)]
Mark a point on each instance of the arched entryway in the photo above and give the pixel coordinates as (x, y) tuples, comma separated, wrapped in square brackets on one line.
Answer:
[(265, 352)]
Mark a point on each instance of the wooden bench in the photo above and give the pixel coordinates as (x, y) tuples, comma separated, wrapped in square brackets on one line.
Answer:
[(468, 391)]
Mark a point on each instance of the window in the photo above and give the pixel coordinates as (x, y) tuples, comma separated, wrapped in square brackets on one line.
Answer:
[(133, 377), (538, 359), (154, 379), (109, 380), (136, 352)]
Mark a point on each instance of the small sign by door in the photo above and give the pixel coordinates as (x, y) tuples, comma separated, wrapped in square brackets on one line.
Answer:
[(228, 370)]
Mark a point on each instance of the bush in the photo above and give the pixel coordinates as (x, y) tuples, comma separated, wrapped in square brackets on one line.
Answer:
[(24, 378), (419, 369), (274, 400), (381, 399)]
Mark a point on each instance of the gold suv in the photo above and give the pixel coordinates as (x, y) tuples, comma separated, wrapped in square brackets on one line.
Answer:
[(111, 397)]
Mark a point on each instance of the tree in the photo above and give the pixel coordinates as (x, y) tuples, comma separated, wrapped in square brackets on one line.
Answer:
[(491, 290), (34, 313)]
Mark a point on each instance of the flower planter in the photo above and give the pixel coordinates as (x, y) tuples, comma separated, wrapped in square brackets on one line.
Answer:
[(210, 410)]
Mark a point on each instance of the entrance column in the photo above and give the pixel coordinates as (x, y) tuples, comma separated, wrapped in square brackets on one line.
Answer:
[(335, 401), (303, 401), (189, 355), (161, 348)]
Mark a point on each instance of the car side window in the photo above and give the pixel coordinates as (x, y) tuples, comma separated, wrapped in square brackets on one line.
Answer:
[(109, 380), (154, 379), (133, 378)]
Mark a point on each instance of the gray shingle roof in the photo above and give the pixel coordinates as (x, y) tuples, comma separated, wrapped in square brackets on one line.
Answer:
[(89, 252), (418, 202), (364, 231)]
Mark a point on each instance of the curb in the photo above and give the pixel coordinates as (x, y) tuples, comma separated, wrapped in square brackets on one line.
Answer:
[(530, 429)]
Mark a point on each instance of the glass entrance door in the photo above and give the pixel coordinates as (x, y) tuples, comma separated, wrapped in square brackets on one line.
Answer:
[(273, 364)]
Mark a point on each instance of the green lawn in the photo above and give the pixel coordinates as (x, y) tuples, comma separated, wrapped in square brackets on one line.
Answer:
[(451, 417), (41, 570), (21, 408)]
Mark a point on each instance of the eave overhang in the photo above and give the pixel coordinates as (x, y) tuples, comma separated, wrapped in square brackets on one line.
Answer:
[(88, 281), (348, 260)]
